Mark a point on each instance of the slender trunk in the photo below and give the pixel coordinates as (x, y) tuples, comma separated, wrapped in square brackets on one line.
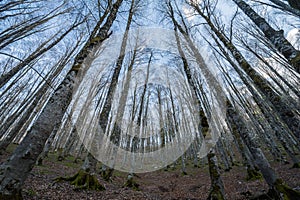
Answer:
[(183, 167), (268, 114), (223, 155), (34, 108), (110, 95), (276, 37), (115, 136), (286, 7), (6, 77), (237, 122), (90, 164), (279, 105)]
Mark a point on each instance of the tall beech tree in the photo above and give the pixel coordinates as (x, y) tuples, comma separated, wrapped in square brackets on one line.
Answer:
[(249, 109), (233, 117), (276, 37), (12, 173), (283, 108)]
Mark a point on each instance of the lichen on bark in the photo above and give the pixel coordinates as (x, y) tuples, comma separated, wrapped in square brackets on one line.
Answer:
[(217, 188)]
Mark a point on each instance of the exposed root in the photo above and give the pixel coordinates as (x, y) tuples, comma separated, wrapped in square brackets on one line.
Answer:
[(280, 192), (285, 191), (131, 183), (215, 194), (107, 174), (83, 180)]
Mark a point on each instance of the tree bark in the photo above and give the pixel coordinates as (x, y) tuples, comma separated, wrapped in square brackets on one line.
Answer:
[(276, 37), (217, 187), (295, 4), (286, 7), (279, 106), (12, 174)]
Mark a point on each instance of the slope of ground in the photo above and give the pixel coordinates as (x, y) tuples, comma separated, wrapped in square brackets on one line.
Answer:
[(161, 184)]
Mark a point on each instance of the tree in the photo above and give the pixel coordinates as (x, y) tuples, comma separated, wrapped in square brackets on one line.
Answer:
[(295, 4), (276, 37), (13, 175), (285, 7), (283, 108), (234, 118), (230, 85)]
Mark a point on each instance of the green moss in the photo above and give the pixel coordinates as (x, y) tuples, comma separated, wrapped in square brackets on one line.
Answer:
[(183, 173), (107, 174), (76, 67), (296, 61), (131, 183), (30, 192), (11, 147), (279, 191), (215, 194), (83, 180), (44, 170), (60, 153), (253, 174), (95, 40), (120, 174), (287, 192), (70, 163)]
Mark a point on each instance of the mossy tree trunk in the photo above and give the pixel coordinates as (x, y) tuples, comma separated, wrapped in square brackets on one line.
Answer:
[(106, 173), (131, 183), (85, 178), (252, 171), (223, 155), (272, 120), (12, 174), (276, 187), (217, 187)]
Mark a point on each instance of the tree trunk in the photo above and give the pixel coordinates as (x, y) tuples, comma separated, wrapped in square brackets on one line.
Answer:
[(286, 7), (13, 174), (217, 187), (280, 106), (275, 37), (295, 4), (6, 77), (277, 188)]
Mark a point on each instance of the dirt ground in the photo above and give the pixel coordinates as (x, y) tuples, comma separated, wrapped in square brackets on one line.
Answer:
[(158, 185)]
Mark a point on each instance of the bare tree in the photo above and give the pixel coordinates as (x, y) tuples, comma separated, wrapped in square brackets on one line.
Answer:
[(32, 145), (276, 37)]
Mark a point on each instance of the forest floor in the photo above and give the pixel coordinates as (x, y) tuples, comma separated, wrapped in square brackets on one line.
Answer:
[(158, 185)]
